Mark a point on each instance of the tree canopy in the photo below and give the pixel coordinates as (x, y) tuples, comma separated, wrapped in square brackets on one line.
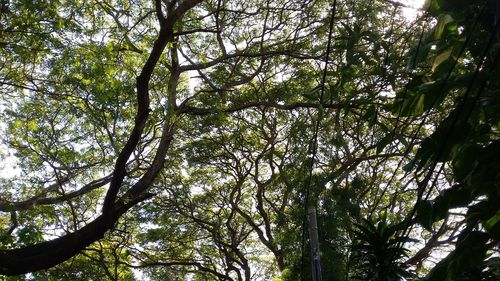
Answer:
[(185, 139)]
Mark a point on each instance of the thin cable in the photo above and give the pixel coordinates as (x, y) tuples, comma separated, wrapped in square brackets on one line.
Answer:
[(462, 105), (314, 142), (443, 85), (455, 120)]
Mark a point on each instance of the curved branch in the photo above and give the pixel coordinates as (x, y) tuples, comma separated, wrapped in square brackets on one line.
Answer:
[(7, 206), (165, 36), (47, 254)]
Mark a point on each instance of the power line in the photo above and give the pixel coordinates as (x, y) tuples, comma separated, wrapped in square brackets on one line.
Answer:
[(314, 142), (460, 108)]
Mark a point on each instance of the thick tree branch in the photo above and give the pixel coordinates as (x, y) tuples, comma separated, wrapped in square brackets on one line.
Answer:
[(47, 254), (165, 36)]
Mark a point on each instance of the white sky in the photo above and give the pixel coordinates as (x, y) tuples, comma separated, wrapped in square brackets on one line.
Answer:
[(415, 5)]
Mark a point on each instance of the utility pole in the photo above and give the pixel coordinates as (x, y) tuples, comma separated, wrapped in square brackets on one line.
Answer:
[(313, 238)]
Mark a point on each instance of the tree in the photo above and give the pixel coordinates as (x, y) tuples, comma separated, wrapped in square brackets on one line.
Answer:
[(463, 49), (176, 138)]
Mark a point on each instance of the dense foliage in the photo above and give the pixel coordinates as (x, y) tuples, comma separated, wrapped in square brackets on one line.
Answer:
[(183, 139)]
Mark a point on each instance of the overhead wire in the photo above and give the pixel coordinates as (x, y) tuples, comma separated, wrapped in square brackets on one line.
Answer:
[(316, 129), (424, 119), (314, 142), (468, 91), (430, 173), (416, 132)]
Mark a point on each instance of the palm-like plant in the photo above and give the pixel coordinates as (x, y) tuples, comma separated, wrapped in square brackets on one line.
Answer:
[(377, 252)]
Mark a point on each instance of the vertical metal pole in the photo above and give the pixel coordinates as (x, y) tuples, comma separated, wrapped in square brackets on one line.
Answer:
[(313, 238)]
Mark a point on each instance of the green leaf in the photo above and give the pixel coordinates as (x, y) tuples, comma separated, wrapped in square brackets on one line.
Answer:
[(492, 225), (371, 115), (433, 6), (441, 58), (443, 20), (312, 94), (425, 214), (383, 143), (465, 161)]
